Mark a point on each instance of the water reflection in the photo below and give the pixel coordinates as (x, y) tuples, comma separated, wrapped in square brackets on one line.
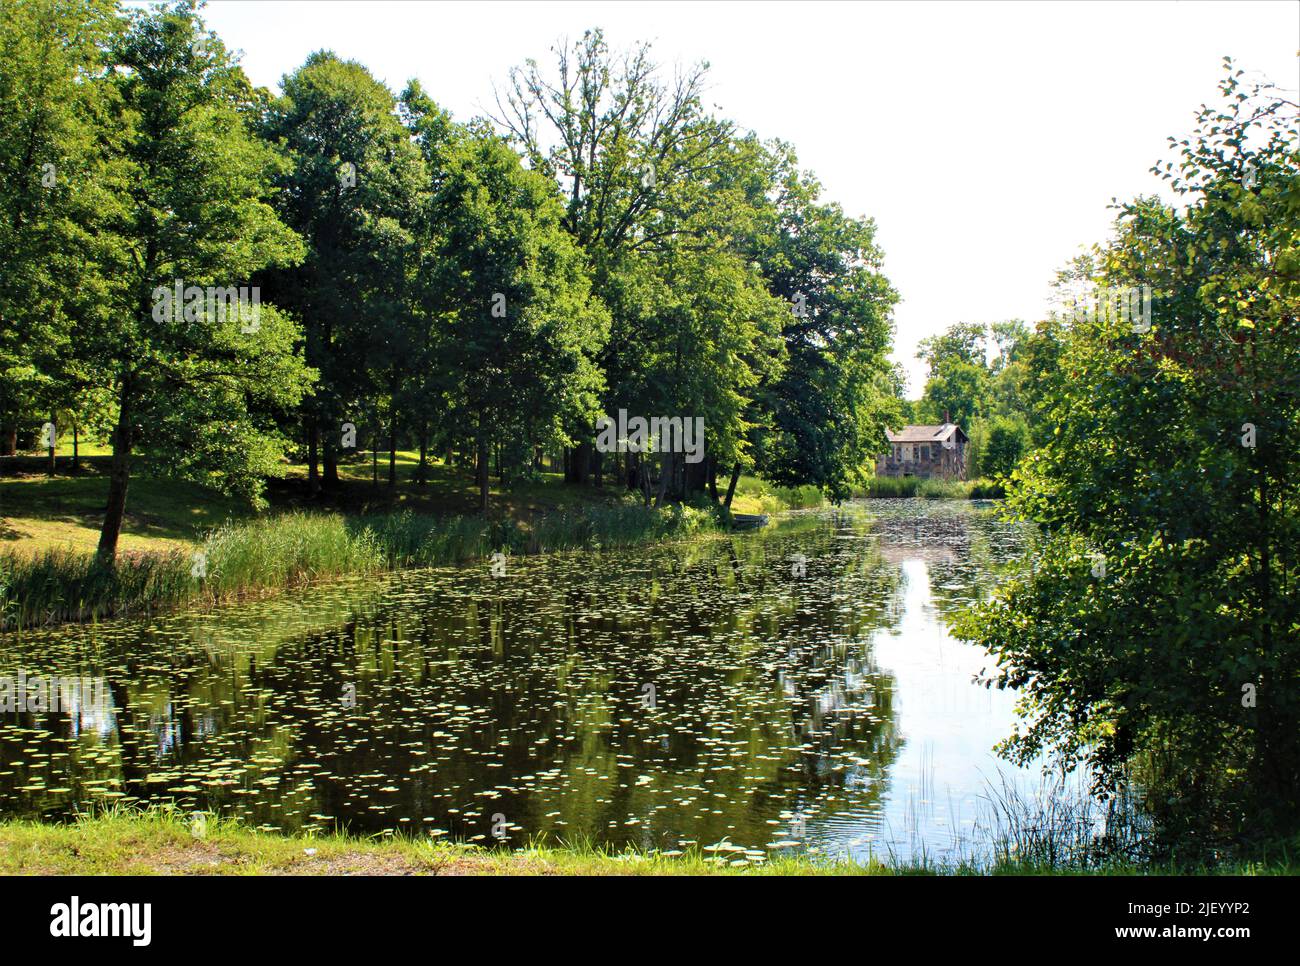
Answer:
[(679, 694)]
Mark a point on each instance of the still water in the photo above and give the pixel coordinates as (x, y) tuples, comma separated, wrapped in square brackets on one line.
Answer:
[(792, 689)]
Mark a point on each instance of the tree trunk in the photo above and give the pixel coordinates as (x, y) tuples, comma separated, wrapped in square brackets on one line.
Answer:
[(422, 474), (482, 470), (330, 461), (54, 440), (695, 477), (392, 454), (731, 486), (76, 455), (119, 477), (9, 441), (313, 447), (665, 474), (582, 462), (713, 478)]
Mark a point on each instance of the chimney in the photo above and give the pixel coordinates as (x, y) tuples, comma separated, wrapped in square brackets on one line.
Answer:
[(946, 418)]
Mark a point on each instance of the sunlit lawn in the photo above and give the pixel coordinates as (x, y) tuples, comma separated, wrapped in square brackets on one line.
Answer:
[(39, 512)]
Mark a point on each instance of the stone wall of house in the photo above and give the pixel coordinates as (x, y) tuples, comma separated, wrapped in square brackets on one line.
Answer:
[(929, 461)]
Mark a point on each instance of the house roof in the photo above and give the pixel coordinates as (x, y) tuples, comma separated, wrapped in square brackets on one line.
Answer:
[(924, 434)]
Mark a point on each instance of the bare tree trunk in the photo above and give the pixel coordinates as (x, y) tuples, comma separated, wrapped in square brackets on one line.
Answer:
[(313, 447), (482, 470), (330, 460), (119, 477), (54, 440), (392, 453), (422, 474), (731, 486), (76, 455), (665, 473)]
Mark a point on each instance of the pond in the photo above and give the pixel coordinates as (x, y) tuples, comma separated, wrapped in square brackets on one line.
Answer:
[(796, 689)]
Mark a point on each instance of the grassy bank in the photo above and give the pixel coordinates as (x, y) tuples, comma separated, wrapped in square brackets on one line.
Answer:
[(299, 547), (185, 543), (886, 487), (40, 512), (360, 525), (165, 842)]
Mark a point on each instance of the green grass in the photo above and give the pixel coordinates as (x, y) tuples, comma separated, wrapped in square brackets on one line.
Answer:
[(913, 486), (754, 495), (50, 529), (165, 841), (40, 513), (297, 547)]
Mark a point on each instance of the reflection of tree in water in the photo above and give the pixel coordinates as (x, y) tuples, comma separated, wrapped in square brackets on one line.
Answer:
[(966, 546)]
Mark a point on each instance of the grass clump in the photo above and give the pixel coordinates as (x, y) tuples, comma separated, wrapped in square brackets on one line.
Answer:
[(68, 585), (899, 487)]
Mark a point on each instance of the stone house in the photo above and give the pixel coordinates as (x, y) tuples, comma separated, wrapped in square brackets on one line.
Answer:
[(930, 452)]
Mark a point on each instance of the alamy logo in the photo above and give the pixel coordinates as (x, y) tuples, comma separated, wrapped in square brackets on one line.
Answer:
[(659, 434), (192, 303), (73, 919), (52, 694)]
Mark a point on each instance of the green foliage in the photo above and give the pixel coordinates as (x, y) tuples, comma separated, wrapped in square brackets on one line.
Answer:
[(420, 277), (520, 326), (1007, 441), (736, 294), (180, 188), (60, 185), (355, 188), (1158, 634)]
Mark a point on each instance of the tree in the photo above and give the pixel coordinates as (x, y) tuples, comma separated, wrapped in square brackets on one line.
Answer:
[(58, 185), (835, 396), (521, 324), (189, 375), (1158, 631), (661, 196), (958, 373), (354, 191), (637, 161), (428, 397), (1007, 442)]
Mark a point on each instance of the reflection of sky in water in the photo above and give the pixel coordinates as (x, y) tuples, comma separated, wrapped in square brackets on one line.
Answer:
[(948, 723), (835, 693)]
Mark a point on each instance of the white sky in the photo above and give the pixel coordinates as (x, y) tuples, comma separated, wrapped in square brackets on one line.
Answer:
[(986, 139)]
